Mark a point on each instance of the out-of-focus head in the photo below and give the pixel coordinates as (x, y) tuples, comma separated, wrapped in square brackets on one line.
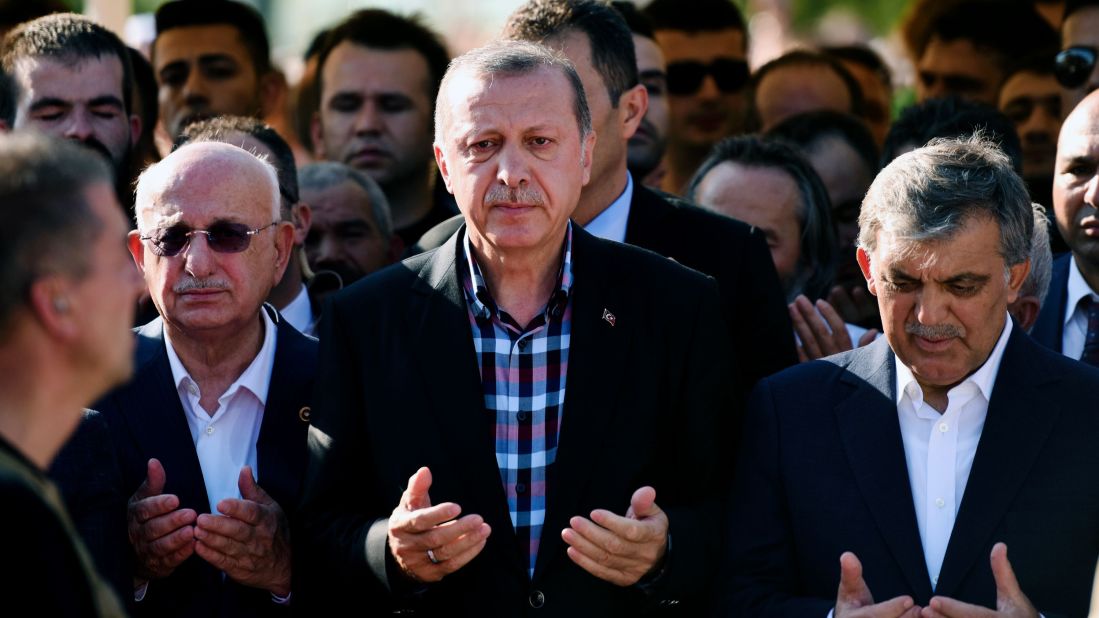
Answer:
[(74, 80), (352, 229), (146, 107), (1076, 66), (212, 58), (646, 147), (1032, 295), (378, 75), (1076, 182), (64, 271), (514, 142), (768, 184), (945, 243), (875, 81), (1031, 98), (210, 240), (803, 81), (706, 48)]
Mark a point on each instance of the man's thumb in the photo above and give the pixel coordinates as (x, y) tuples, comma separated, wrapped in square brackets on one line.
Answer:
[(643, 503), (418, 486), (249, 490), (154, 481), (853, 591)]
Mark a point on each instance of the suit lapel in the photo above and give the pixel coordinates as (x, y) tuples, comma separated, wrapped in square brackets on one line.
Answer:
[(643, 227), (151, 407), (1050, 325), (441, 342), (871, 436), (598, 352), (1012, 438)]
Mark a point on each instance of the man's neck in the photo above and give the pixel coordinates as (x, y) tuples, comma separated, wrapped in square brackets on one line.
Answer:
[(682, 164), (521, 282), (599, 194), (290, 286), (410, 198), (1089, 270), (215, 359), (36, 399)]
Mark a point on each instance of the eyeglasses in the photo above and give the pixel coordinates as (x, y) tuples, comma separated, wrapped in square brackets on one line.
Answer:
[(222, 236), (1072, 66), (686, 77)]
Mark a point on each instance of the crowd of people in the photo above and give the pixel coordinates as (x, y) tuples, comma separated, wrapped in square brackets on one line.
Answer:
[(592, 320)]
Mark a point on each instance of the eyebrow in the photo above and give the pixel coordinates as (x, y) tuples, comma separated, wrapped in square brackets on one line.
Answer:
[(651, 73), (966, 277)]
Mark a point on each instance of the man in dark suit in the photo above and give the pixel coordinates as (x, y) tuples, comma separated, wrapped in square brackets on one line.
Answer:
[(598, 503), (1064, 323), (68, 291), (897, 472), (594, 37), (210, 433)]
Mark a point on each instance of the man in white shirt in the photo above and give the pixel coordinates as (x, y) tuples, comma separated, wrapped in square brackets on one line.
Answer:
[(210, 433), (900, 473)]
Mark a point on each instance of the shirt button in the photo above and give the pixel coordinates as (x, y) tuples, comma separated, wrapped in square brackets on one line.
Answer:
[(209, 430), (522, 416), (939, 502), (536, 599), (943, 428), (522, 344), (520, 488), (191, 388)]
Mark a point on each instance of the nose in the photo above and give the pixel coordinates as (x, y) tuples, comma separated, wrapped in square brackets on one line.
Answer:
[(198, 257), (1091, 191), (80, 125), (368, 120), (932, 305), (511, 167), (329, 249), (708, 89), (194, 88)]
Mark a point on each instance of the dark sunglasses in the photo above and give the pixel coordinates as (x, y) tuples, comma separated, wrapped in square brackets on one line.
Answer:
[(686, 77), (1072, 66), (222, 236)]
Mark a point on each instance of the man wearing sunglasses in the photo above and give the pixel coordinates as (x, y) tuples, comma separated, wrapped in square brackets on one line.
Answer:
[(210, 433), (1075, 66)]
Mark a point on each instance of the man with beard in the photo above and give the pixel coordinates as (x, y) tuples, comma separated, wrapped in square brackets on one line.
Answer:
[(74, 80), (211, 59)]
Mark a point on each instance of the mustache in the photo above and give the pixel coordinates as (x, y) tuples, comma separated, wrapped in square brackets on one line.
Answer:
[(934, 331), (521, 195), (192, 283)]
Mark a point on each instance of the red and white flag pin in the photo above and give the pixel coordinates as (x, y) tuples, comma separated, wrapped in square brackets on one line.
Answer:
[(608, 317)]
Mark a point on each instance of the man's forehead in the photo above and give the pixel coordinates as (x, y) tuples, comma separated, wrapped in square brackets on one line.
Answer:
[(188, 42), (41, 73), (401, 69)]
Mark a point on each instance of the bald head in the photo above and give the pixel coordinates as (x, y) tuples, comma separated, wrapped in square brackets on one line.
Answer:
[(211, 170), (1074, 188)]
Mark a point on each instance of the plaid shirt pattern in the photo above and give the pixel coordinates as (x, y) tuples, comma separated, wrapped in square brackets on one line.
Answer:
[(523, 379)]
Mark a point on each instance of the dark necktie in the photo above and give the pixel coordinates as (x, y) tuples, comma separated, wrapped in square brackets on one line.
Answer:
[(1091, 340)]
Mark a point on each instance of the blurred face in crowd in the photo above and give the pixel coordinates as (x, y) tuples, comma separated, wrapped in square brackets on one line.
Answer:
[(1076, 182), (700, 112), (344, 236), (80, 100), (792, 90), (1033, 103), (375, 112), (877, 99), (846, 178), (646, 147), (201, 290), (960, 68), (1081, 29), (511, 152), (764, 197), (205, 71)]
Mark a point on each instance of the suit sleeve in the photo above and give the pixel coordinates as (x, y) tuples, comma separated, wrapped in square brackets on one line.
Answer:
[(760, 574)]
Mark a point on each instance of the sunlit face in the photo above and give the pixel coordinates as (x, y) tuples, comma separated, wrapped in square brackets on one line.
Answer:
[(877, 99), (1081, 29), (375, 112), (701, 119), (204, 71), (763, 197), (1033, 103), (511, 152), (646, 147), (791, 90), (201, 291), (343, 236), (958, 67), (1076, 181), (78, 100), (943, 303)]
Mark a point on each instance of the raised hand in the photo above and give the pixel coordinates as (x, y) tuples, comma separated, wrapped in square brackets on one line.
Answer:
[(1010, 600), (620, 549), (161, 535), (853, 600)]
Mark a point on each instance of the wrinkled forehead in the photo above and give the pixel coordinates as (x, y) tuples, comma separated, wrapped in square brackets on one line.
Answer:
[(198, 190), (540, 96)]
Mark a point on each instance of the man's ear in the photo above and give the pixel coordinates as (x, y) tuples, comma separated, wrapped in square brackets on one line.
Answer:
[(136, 129), (272, 90), (284, 242), (587, 150), (1017, 275), (864, 265), (444, 171), (301, 215), (632, 106), (1025, 311), (48, 300), (137, 249)]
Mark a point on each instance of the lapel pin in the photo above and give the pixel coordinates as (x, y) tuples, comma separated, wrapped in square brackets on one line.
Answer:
[(608, 317), (305, 413)]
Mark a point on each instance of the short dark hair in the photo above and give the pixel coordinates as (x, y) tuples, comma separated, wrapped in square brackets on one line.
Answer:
[(951, 117), (638, 22), (864, 56), (66, 37), (217, 129), (804, 130), (316, 43), (48, 223), (611, 41), (145, 81), (246, 20), (1040, 62), (695, 15), (818, 235), (818, 60), (380, 29)]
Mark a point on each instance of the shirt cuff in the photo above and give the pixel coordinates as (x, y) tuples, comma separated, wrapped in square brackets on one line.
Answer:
[(277, 600), (139, 592)]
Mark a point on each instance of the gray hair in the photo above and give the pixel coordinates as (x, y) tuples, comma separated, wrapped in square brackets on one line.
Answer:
[(325, 174), (1041, 258), (930, 193), (513, 59), (48, 223)]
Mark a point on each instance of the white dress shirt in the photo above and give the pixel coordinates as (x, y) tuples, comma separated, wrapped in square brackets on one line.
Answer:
[(611, 223), (225, 441), (939, 448), (1076, 318), (299, 313)]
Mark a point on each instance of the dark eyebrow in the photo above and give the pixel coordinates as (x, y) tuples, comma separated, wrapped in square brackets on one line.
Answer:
[(49, 102), (212, 58), (1078, 160), (652, 73), (966, 278), (895, 273), (107, 99)]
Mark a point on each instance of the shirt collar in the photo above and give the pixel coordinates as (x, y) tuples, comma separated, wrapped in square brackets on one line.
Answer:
[(611, 223), (1078, 288), (256, 377), (480, 299), (984, 378), (299, 313)]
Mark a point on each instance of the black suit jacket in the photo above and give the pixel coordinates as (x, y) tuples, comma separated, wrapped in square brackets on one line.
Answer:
[(146, 420), (399, 388), (1049, 328), (824, 472), (726, 249)]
